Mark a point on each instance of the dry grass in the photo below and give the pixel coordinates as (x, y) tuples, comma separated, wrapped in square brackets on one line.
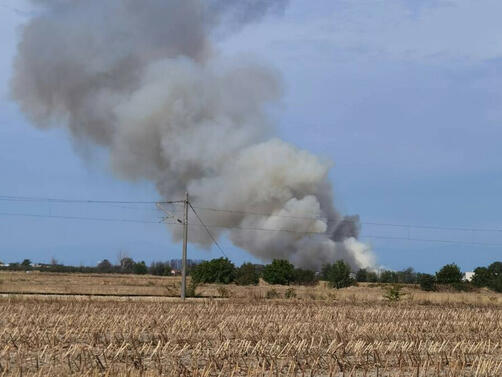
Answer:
[(317, 332), (246, 338), (112, 284), (148, 285)]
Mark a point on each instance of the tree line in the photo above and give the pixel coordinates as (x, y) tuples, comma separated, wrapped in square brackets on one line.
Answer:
[(126, 265), (338, 274)]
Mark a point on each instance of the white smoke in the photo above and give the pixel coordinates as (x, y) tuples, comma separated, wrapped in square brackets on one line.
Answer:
[(144, 79)]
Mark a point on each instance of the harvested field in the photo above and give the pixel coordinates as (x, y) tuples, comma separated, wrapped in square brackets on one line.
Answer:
[(247, 338), (42, 283), (88, 284)]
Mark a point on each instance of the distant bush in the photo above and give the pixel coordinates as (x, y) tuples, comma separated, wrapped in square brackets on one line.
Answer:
[(159, 269), (223, 292), (449, 274), (272, 293), (387, 276), (338, 274), (219, 270), (104, 266), (407, 276), (394, 293), (462, 286), (427, 282), (140, 268), (246, 275), (127, 265), (290, 293), (280, 271), (191, 289)]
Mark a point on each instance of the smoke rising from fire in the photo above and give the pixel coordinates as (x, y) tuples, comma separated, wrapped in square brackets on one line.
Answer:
[(144, 80)]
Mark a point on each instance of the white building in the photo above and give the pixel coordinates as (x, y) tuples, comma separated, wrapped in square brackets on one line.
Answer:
[(468, 276)]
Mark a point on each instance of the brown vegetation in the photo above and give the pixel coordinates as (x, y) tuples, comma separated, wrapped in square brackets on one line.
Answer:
[(156, 286), (246, 338), (297, 331)]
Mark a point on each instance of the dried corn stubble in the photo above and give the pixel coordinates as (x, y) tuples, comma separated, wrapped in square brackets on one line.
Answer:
[(211, 338)]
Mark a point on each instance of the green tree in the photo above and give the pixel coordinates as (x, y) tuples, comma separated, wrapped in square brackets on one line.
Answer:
[(495, 269), (427, 282), (219, 270), (127, 265), (362, 275), (26, 263), (372, 277), (387, 276), (104, 266), (337, 274), (140, 268), (246, 275), (449, 274), (490, 276), (482, 277), (394, 293), (280, 271), (160, 269), (407, 276), (496, 284), (304, 277)]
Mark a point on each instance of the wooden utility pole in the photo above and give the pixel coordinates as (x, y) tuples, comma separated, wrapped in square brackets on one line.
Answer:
[(184, 253)]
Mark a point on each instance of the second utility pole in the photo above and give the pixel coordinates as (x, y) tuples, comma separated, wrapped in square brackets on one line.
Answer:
[(184, 253)]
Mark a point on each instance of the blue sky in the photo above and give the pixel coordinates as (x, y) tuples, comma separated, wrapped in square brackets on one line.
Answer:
[(406, 100)]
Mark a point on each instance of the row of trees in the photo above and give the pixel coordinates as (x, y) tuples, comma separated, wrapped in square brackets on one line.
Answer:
[(338, 274), (280, 271), (129, 266), (451, 276), (407, 276), (126, 265), (223, 271)]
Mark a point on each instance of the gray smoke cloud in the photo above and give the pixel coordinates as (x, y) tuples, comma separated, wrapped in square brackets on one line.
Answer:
[(144, 80)]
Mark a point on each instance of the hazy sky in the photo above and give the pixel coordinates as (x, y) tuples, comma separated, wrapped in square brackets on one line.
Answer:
[(405, 99)]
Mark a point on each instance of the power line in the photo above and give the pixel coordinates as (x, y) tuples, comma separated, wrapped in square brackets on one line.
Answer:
[(64, 217), (80, 218), (433, 227), (360, 222), (85, 201), (202, 224), (207, 230), (261, 229), (433, 240), (262, 214), (363, 236)]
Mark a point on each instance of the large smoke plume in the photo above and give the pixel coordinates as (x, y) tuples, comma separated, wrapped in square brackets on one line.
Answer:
[(144, 80)]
